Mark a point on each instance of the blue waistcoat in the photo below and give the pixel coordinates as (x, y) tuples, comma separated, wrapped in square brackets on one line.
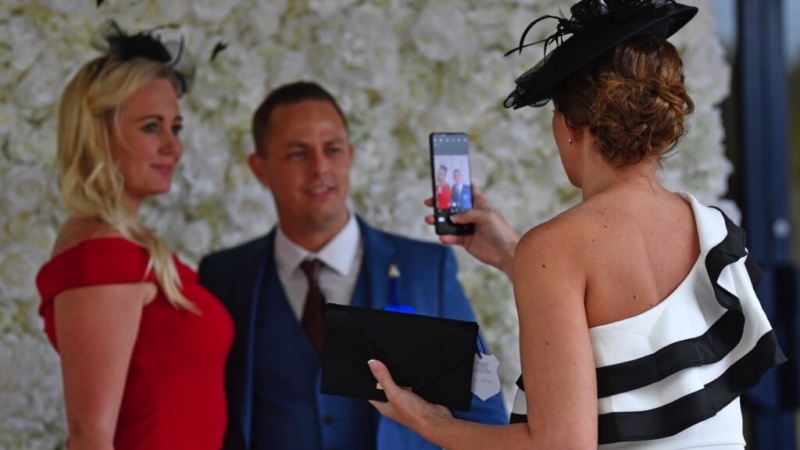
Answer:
[(286, 413)]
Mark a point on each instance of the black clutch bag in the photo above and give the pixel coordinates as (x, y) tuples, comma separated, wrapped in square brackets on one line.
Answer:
[(431, 355)]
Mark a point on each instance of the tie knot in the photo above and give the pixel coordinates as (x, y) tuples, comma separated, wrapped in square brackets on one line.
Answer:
[(311, 268)]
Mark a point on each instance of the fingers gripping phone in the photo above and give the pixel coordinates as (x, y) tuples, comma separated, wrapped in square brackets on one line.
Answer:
[(451, 180)]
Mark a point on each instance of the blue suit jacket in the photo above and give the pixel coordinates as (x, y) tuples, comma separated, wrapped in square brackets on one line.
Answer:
[(463, 199), (428, 282)]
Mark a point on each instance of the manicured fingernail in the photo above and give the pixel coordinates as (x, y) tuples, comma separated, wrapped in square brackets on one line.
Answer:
[(371, 362)]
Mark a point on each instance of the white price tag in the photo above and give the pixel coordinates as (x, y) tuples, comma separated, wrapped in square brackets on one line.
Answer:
[(485, 382)]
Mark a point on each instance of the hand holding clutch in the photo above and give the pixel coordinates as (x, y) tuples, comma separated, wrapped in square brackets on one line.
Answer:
[(430, 355), (403, 406)]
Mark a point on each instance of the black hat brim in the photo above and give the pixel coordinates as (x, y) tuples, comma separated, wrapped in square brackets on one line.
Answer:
[(535, 86)]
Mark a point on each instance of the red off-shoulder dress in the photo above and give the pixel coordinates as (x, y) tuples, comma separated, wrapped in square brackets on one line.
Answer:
[(174, 394)]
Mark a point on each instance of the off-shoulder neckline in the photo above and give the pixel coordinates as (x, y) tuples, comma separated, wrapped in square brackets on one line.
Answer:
[(94, 242)]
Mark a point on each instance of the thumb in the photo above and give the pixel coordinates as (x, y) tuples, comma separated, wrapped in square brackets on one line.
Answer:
[(381, 373), (473, 215)]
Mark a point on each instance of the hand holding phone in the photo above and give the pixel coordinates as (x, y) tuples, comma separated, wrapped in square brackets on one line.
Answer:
[(451, 181)]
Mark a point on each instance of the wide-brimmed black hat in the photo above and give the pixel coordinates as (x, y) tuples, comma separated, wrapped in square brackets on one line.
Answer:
[(595, 27)]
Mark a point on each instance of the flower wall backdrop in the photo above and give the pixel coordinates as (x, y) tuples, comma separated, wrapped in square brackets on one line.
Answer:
[(401, 70)]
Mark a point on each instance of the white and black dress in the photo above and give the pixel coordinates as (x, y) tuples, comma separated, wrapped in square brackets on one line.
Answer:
[(671, 377)]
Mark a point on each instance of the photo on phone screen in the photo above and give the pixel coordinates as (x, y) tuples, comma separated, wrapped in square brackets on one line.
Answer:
[(452, 182)]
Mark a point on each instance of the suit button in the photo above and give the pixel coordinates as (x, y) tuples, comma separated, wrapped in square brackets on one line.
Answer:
[(327, 420)]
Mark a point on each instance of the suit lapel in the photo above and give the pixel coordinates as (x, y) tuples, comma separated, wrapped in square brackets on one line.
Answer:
[(372, 288), (248, 283)]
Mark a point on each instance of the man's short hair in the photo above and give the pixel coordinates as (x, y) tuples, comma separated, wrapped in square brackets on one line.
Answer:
[(456, 170), (287, 94)]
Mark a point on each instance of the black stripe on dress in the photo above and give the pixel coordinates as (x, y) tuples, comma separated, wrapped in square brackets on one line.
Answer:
[(691, 409), (518, 418)]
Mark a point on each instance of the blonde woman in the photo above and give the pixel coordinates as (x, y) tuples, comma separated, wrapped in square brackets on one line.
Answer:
[(142, 345)]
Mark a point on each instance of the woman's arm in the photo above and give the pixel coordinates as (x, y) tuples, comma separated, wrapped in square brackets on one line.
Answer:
[(556, 353), (96, 328), (557, 361)]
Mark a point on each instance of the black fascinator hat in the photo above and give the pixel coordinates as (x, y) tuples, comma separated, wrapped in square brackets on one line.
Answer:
[(595, 27), (112, 41)]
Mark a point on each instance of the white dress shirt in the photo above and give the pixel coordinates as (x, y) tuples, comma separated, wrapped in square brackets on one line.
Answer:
[(341, 258)]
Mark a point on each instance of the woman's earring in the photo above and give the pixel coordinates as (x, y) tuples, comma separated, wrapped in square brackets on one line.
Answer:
[(570, 141)]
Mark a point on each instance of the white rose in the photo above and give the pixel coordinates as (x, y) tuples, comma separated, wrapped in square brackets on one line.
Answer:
[(166, 222), (34, 145), (26, 44), (327, 7), (439, 33), (230, 237), (340, 52), (250, 210), (19, 264), (40, 87), (196, 238), (8, 118), (200, 191), (265, 18), (66, 6), (240, 174), (492, 28), (31, 392), (205, 158), (24, 189), (247, 68), (287, 67), (26, 227), (173, 10), (174, 197), (213, 10), (42, 235), (8, 315), (707, 72)]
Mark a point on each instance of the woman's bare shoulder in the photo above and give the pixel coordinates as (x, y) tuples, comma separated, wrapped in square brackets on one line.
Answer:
[(564, 228), (77, 229)]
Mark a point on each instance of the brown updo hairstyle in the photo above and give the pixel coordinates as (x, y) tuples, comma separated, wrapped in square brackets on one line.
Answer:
[(632, 98)]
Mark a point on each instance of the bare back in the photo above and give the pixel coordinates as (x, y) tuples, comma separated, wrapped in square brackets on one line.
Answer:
[(636, 247)]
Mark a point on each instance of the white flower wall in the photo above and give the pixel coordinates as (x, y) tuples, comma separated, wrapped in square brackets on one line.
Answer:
[(401, 69)]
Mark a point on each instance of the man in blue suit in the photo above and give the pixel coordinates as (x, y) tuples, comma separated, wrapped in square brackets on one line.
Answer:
[(462, 194), (303, 156)]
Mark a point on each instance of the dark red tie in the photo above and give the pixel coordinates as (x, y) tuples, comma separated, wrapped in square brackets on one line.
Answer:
[(312, 311)]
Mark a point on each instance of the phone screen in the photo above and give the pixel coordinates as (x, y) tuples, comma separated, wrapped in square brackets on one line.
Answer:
[(452, 183)]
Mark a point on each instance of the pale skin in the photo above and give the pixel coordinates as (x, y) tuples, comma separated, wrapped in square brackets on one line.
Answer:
[(97, 326), (620, 252)]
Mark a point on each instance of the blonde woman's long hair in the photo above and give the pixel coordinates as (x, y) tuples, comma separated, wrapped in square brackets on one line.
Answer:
[(90, 181)]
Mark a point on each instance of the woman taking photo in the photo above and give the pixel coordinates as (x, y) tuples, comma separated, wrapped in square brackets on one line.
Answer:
[(639, 324), (142, 345)]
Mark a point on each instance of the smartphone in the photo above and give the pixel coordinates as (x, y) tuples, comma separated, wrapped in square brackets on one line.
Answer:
[(451, 181)]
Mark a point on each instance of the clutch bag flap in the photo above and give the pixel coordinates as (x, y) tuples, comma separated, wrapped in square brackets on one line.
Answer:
[(432, 356)]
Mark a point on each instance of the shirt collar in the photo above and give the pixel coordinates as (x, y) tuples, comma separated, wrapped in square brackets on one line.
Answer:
[(338, 254)]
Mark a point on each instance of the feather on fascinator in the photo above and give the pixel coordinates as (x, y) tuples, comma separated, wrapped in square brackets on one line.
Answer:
[(112, 41), (595, 27)]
